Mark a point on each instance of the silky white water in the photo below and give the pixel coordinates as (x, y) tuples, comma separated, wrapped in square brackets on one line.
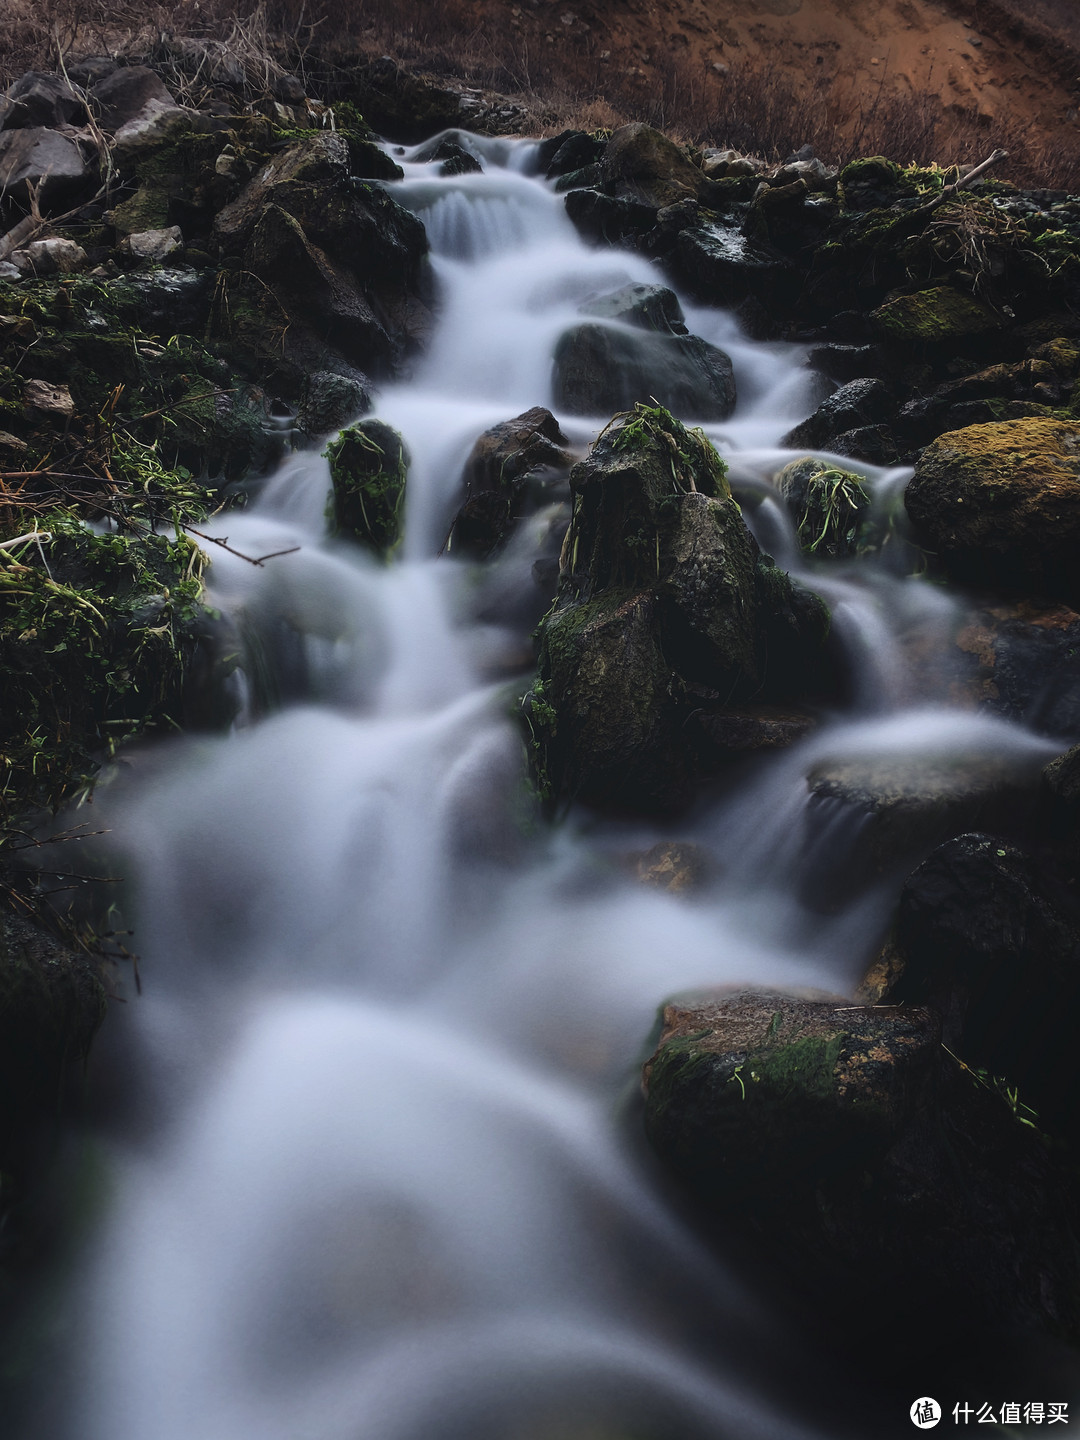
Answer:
[(378, 1178)]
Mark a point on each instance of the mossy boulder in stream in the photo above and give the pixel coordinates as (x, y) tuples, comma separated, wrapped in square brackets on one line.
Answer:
[(828, 505), (999, 505), (369, 465), (846, 1141), (667, 614)]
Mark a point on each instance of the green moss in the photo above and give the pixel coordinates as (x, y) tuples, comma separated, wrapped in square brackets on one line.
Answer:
[(932, 316), (368, 467), (828, 504)]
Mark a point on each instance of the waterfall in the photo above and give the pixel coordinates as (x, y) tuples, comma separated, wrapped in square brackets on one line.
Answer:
[(372, 1177)]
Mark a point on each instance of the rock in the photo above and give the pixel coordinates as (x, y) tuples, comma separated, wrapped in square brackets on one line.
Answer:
[(568, 151), (679, 867), (499, 468), (153, 247), (52, 1002), (641, 164), (604, 220), (870, 183), (55, 256), (166, 300), (847, 1142), (665, 611), (858, 403), (368, 467), (647, 307), (845, 362), (933, 316), (999, 505), (290, 90), (600, 369), (44, 159), (719, 266), (829, 506), (748, 729), (8, 271), (52, 402), (456, 158), (329, 400), (38, 99), (128, 93), (900, 808), (986, 936), (153, 128), (1020, 660)]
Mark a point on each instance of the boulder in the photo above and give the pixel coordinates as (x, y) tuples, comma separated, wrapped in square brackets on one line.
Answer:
[(153, 247), (55, 256), (641, 164), (369, 465), (858, 403), (455, 158), (329, 400), (38, 99), (497, 475), (127, 93), (999, 505), (666, 611), (646, 307), (847, 1143), (51, 402), (606, 220), (568, 151), (898, 808), (44, 159), (938, 315), (987, 936), (1020, 660), (600, 369), (720, 266), (828, 506)]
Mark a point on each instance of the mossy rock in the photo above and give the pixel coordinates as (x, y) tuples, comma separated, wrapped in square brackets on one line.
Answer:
[(829, 506), (369, 466), (999, 506), (847, 1141), (931, 317)]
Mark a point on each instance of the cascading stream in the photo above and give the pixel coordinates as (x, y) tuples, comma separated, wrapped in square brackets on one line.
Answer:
[(378, 1189)]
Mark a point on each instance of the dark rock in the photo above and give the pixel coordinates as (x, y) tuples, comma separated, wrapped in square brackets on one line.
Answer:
[(736, 731), (648, 307), (828, 506), (858, 403), (168, 300), (876, 444), (497, 472), (870, 183), (329, 400), (663, 593), (289, 90), (91, 70), (369, 466), (987, 937), (456, 158), (845, 362), (1022, 661), (721, 267), (128, 93), (38, 99), (999, 505), (939, 315), (583, 179), (47, 160), (847, 1142), (603, 220), (574, 151), (51, 1004), (600, 369), (901, 808), (643, 165)]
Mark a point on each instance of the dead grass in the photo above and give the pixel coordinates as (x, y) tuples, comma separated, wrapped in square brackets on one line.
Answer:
[(768, 110)]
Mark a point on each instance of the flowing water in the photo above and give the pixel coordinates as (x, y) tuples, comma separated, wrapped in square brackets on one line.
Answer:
[(375, 1174)]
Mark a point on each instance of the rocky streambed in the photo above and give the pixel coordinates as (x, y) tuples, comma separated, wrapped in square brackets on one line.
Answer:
[(780, 607)]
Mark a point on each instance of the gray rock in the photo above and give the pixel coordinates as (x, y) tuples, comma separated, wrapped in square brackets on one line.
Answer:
[(41, 99), (722, 267), (40, 157), (648, 307), (127, 93), (53, 402), (153, 247), (856, 404), (55, 256), (329, 400), (601, 369)]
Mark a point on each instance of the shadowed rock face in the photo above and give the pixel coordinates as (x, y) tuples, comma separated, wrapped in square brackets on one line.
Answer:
[(842, 1136), (667, 616), (999, 504), (600, 369)]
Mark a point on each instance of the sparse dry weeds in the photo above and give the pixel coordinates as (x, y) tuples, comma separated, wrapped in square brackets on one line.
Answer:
[(767, 110)]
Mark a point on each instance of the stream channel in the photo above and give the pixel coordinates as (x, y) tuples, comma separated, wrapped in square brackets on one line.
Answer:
[(374, 1170)]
